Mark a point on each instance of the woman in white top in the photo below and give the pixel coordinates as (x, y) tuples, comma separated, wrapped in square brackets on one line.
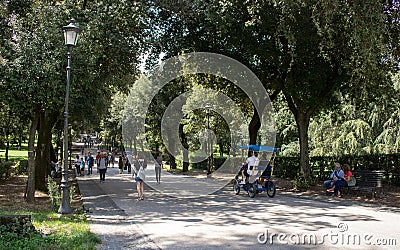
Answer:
[(102, 168), (78, 165), (139, 175)]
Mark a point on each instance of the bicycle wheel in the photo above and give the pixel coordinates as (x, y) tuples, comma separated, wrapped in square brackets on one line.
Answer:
[(252, 190), (271, 189), (236, 188)]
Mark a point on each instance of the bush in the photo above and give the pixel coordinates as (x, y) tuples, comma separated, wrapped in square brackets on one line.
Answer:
[(322, 166), (21, 168), (54, 193), (203, 165), (218, 161), (5, 169), (301, 183)]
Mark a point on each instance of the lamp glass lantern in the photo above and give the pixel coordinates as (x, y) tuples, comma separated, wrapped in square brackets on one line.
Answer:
[(71, 33)]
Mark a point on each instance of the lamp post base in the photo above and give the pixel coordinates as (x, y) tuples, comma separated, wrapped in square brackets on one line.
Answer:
[(65, 206)]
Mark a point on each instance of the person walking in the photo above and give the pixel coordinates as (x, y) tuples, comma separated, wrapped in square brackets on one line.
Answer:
[(102, 166), (139, 175), (82, 168), (121, 164), (129, 162), (77, 165), (157, 167), (112, 159), (90, 163), (98, 156)]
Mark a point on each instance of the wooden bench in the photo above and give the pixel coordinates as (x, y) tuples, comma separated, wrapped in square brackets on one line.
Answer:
[(367, 180)]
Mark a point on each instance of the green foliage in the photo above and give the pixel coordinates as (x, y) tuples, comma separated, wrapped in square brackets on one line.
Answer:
[(53, 232), (18, 229), (301, 183), (21, 167), (322, 166), (5, 169), (309, 50), (54, 193)]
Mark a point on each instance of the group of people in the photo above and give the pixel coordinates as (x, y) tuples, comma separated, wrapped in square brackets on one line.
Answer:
[(340, 177), (101, 161), (249, 168), (104, 160)]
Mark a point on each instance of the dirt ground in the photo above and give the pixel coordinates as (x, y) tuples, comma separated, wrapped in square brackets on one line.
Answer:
[(12, 197), (390, 195)]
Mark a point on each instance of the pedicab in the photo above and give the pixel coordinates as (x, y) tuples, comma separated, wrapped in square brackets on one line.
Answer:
[(254, 185)]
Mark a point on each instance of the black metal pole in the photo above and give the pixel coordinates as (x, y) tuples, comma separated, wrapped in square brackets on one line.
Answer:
[(208, 143), (65, 206)]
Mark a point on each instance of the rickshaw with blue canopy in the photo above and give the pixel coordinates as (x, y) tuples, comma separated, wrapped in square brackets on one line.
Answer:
[(255, 183)]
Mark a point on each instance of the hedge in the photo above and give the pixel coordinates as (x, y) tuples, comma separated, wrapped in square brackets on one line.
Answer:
[(322, 166)]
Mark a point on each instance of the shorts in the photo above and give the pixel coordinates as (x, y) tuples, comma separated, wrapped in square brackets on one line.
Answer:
[(137, 179)]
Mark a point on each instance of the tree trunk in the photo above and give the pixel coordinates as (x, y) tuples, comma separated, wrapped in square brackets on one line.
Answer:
[(19, 143), (134, 146), (254, 126), (185, 163), (30, 190), (172, 162), (303, 121), (7, 145), (255, 122), (43, 166)]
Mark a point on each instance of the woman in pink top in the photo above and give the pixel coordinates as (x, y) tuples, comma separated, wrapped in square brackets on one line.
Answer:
[(347, 175)]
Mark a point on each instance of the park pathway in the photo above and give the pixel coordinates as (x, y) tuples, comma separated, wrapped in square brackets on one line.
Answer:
[(226, 221)]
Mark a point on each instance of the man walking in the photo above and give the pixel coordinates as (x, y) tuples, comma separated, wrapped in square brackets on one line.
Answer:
[(102, 166), (90, 162)]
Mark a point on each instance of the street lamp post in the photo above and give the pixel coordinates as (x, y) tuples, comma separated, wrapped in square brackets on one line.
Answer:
[(71, 33), (207, 107)]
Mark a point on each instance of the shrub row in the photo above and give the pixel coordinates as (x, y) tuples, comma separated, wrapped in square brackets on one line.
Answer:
[(322, 166)]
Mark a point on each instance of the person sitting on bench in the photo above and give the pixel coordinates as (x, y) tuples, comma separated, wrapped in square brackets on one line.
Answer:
[(337, 181)]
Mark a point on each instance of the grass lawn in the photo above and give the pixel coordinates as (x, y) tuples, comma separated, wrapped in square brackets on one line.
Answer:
[(53, 231), (14, 154)]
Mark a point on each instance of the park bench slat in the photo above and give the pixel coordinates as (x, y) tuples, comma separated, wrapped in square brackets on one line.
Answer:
[(368, 180)]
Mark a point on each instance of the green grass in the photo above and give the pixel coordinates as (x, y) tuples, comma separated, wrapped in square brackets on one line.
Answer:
[(14, 154), (54, 232)]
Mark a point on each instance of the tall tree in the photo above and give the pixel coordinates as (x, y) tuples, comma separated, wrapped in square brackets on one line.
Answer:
[(35, 57), (309, 50)]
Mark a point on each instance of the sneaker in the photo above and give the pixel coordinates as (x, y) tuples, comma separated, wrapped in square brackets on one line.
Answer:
[(142, 198), (330, 190)]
